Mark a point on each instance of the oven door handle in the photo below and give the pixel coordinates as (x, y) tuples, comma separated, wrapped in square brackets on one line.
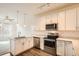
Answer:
[(49, 40)]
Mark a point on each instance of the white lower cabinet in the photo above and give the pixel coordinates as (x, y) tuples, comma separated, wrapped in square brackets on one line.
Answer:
[(30, 42), (65, 48), (69, 49), (25, 44), (61, 20), (71, 19), (21, 44), (60, 47), (18, 46)]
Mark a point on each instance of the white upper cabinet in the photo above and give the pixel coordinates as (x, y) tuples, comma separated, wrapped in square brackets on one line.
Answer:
[(67, 19), (78, 19), (42, 23), (54, 18), (71, 19), (51, 18), (61, 20), (48, 19)]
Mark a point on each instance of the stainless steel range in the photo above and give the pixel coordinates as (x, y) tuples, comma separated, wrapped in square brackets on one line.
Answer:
[(50, 43)]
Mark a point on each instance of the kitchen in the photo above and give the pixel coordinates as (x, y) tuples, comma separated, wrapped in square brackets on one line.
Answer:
[(52, 28)]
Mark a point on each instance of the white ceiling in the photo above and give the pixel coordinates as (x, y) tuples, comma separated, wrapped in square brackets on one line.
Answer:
[(34, 8)]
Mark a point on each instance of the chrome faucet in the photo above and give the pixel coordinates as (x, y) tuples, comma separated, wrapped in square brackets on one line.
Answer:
[(19, 33)]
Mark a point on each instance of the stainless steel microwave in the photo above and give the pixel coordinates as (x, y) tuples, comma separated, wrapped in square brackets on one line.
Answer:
[(53, 26)]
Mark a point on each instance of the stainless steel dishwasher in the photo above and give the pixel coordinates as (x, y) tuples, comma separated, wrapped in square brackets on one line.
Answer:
[(37, 42)]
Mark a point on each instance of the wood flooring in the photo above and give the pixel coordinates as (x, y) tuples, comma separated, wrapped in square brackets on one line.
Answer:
[(35, 52)]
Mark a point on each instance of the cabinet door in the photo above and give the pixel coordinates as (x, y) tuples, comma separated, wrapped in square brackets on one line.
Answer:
[(28, 43), (48, 19), (54, 18), (19, 46), (69, 48), (71, 19), (42, 22), (60, 47), (61, 20), (31, 42), (25, 44), (78, 19)]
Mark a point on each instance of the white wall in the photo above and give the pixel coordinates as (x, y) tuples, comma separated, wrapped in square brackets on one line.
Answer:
[(12, 13)]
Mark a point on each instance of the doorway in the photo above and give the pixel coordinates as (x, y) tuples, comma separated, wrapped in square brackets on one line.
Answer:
[(5, 36)]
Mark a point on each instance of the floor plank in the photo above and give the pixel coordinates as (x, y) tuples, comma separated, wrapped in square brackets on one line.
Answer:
[(35, 52)]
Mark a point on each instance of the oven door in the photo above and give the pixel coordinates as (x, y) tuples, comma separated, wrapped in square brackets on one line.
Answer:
[(50, 43), (50, 46)]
